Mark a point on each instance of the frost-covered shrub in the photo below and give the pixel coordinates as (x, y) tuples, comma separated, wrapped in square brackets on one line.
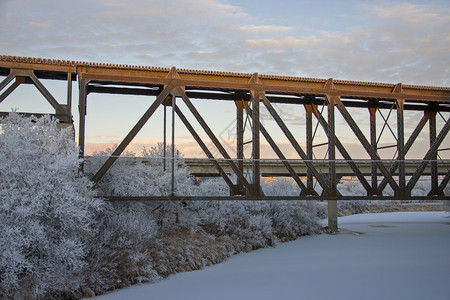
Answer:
[(351, 187), (46, 209), (292, 219), (212, 186), (354, 206), (145, 176), (256, 224), (280, 187), (119, 253)]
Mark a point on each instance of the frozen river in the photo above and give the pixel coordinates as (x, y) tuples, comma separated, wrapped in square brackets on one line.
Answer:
[(374, 256)]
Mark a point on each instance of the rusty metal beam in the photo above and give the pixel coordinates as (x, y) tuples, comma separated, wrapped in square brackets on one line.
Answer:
[(332, 204), (240, 141), (373, 143), (256, 150), (441, 188), (82, 102), (69, 92), (56, 69), (256, 93), (309, 144), (172, 161), (231, 96), (345, 89), (7, 80), (331, 134), (9, 90), (401, 147), (164, 138), (432, 138)]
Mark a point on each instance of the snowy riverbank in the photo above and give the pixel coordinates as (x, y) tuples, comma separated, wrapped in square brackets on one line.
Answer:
[(375, 256)]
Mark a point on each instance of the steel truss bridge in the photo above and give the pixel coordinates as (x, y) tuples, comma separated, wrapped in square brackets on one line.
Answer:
[(247, 92)]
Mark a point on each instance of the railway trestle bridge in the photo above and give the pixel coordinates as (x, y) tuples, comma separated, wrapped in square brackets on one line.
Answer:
[(322, 99)]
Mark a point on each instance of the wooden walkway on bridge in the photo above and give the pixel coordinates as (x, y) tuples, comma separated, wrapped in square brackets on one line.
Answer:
[(247, 93)]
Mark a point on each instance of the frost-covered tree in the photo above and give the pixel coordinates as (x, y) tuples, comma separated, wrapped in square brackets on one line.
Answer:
[(46, 209)]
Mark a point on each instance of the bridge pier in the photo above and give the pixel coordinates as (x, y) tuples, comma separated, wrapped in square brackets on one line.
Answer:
[(332, 216)]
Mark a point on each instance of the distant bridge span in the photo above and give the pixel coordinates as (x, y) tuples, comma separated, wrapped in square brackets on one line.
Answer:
[(274, 168), (247, 92)]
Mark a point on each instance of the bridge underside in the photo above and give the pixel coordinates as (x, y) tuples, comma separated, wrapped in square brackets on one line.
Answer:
[(322, 99)]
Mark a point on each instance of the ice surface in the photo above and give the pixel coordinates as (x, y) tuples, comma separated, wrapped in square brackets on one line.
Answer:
[(374, 256)]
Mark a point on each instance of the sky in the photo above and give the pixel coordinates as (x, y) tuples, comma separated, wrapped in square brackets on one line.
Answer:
[(383, 41)]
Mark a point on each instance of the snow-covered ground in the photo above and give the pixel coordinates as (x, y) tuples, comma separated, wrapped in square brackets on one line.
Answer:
[(374, 256)]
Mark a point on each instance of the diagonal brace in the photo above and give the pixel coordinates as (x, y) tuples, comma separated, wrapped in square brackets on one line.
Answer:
[(443, 184), (204, 148), (134, 131), (7, 80), (58, 108), (214, 139), (433, 148), (9, 90), (295, 144), (373, 154)]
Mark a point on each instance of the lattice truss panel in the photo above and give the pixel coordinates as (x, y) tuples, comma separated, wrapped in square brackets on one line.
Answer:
[(323, 156)]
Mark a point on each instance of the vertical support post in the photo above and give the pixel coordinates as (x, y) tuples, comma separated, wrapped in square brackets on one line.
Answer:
[(240, 141), (69, 93), (332, 203), (373, 143), (309, 145), (172, 191), (256, 145), (401, 147), (331, 147), (82, 113), (434, 171), (164, 138)]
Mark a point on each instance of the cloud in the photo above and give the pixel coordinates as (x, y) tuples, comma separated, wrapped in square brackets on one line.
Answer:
[(257, 29), (407, 12), (287, 42), (376, 44)]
